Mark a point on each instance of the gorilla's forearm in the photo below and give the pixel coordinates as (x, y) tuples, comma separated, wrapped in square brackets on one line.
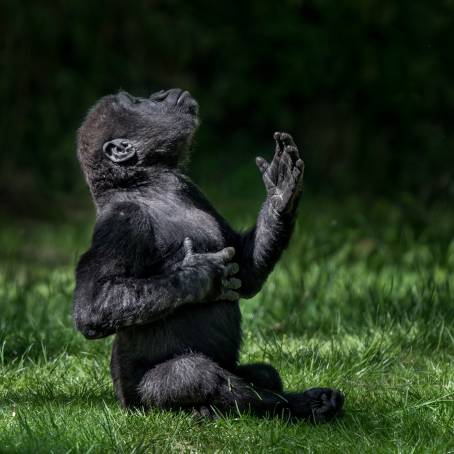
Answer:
[(262, 247), (101, 309)]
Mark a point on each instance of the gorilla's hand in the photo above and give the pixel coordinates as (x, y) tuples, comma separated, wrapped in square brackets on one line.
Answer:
[(283, 178), (216, 272)]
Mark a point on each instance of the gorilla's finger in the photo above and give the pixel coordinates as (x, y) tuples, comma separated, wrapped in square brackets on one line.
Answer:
[(229, 295), (262, 164), (226, 254), (299, 181), (293, 152), (287, 139), (233, 283), (300, 164), (285, 167), (268, 182), (286, 161), (279, 145), (296, 173), (187, 244), (231, 269)]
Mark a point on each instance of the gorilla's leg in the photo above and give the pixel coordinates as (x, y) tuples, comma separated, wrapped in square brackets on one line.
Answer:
[(126, 374), (260, 375), (194, 381)]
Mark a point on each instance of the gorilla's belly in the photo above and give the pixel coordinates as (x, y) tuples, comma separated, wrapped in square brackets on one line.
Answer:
[(210, 328)]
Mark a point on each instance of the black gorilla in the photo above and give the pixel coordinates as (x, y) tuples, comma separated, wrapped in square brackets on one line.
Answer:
[(160, 272)]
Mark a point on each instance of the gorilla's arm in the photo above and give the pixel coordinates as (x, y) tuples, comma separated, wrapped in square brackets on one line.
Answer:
[(262, 248), (263, 245), (116, 286)]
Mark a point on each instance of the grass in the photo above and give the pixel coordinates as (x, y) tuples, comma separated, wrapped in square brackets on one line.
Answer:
[(363, 300)]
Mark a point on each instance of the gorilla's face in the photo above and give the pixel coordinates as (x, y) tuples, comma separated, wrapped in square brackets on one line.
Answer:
[(122, 135), (154, 129)]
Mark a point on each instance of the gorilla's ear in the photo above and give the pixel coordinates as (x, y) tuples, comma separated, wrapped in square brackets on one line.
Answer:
[(119, 150)]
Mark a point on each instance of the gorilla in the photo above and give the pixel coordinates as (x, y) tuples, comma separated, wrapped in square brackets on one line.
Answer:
[(165, 271)]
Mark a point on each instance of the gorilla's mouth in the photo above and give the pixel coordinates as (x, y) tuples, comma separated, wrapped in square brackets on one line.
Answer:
[(181, 97), (187, 102)]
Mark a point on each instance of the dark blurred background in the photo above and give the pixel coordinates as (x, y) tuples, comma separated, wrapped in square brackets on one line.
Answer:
[(366, 88)]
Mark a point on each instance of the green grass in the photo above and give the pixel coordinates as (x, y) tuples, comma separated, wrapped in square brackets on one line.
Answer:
[(363, 300)]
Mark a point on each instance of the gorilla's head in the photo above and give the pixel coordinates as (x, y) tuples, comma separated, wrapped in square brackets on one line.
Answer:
[(123, 136)]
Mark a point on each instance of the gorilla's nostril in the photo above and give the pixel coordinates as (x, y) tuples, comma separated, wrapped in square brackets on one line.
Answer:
[(182, 95), (172, 95)]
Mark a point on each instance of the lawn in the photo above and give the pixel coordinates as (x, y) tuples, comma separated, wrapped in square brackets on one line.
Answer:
[(363, 300)]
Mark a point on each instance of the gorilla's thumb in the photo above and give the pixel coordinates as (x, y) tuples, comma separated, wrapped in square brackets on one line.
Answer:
[(187, 246)]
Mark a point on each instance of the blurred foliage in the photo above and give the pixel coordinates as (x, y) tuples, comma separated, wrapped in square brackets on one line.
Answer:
[(365, 86)]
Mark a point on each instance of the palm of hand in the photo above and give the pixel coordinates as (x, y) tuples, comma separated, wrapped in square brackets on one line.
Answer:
[(283, 177)]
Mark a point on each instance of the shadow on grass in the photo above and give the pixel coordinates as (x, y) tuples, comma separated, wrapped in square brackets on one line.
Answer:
[(42, 397)]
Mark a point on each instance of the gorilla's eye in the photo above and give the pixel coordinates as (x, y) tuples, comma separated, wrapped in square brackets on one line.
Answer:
[(119, 150)]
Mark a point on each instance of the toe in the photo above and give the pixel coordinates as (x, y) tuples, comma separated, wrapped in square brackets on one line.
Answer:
[(331, 403), (204, 413)]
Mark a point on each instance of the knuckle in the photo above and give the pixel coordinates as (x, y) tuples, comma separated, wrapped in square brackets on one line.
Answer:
[(237, 283), (230, 295), (229, 252)]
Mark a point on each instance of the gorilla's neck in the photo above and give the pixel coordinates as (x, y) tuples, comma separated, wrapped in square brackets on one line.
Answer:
[(142, 182)]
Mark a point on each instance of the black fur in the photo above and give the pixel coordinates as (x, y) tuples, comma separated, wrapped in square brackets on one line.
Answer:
[(165, 271)]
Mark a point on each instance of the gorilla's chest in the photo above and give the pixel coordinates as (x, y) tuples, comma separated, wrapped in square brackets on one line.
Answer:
[(176, 219), (178, 222)]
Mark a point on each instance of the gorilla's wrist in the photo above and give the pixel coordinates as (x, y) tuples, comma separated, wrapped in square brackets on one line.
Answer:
[(279, 216)]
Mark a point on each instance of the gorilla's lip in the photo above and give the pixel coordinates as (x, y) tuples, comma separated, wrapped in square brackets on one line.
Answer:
[(182, 96), (186, 101)]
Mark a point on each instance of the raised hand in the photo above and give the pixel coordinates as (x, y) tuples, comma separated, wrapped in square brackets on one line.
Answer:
[(283, 178), (216, 272)]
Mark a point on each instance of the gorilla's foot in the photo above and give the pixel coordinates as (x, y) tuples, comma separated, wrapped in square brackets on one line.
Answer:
[(316, 404)]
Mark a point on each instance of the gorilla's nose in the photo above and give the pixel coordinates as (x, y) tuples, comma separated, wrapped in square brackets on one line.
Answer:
[(176, 97)]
